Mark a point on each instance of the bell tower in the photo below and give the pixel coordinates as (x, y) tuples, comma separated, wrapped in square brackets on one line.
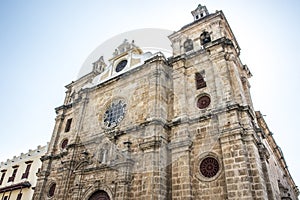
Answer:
[(214, 136)]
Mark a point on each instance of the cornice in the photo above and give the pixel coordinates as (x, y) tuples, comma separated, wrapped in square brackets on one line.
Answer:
[(17, 186)]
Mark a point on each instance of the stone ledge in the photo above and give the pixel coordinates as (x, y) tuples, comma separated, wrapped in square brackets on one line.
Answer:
[(177, 146), (17, 186)]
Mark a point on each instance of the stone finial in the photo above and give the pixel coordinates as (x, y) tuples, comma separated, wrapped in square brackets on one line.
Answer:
[(200, 12), (99, 65), (124, 47)]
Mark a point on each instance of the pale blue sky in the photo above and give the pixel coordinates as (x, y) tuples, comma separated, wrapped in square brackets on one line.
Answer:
[(44, 43)]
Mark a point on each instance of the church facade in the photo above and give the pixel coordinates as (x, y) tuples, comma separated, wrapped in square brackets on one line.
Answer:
[(143, 126)]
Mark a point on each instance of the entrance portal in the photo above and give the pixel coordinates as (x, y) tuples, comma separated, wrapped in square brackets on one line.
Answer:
[(99, 195)]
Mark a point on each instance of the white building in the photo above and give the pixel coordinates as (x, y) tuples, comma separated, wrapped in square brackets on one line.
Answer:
[(18, 175)]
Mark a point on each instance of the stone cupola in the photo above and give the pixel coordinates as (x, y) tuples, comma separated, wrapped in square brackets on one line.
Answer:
[(199, 12)]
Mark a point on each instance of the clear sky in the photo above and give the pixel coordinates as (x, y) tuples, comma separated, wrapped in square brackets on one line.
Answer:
[(44, 43)]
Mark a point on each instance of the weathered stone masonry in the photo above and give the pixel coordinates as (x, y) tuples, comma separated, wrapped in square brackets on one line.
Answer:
[(150, 127)]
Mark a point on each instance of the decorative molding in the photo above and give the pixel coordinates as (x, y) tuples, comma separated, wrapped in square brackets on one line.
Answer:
[(25, 184), (150, 143), (180, 144)]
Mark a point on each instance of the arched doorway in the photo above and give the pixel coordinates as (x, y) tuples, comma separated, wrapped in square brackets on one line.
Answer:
[(99, 195)]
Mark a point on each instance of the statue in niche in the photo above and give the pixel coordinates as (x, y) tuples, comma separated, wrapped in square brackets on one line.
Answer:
[(103, 154), (188, 45)]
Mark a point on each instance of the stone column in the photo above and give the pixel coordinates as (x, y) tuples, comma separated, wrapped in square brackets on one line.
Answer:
[(235, 166), (124, 180), (181, 168), (264, 156), (47, 160), (154, 174), (256, 168), (180, 89)]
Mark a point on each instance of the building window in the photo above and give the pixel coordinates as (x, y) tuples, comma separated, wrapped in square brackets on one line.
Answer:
[(115, 113), (209, 167), (5, 198), (64, 143), (203, 101), (121, 65), (188, 45), (51, 190), (200, 82), (26, 173), (13, 176), (2, 176), (68, 125), (205, 38), (19, 196)]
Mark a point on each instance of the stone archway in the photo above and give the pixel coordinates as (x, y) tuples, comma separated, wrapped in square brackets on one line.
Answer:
[(99, 195)]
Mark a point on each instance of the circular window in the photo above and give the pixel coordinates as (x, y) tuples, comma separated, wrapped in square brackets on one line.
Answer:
[(209, 167), (64, 143), (203, 102), (114, 113), (121, 65), (51, 190)]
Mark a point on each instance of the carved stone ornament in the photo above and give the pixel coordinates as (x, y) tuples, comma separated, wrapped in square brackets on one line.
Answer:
[(125, 46), (99, 65)]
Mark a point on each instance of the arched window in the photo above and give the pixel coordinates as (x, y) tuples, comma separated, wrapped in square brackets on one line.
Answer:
[(188, 45), (51, 190), (64, 143), (99, 195), (200, 82), (103, 153), (205, 38)]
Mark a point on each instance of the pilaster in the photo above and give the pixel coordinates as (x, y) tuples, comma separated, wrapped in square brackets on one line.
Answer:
[(154, 174), (181, 165), (235, 163)]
